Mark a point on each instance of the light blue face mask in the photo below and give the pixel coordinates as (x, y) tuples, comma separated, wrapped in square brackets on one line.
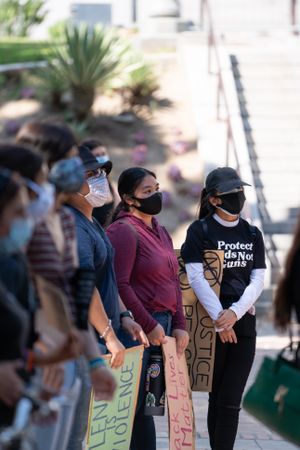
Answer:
[(102, 159), (19, 235), (39, 208), (67, 175)]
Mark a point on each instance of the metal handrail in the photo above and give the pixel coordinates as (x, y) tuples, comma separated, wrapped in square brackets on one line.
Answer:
[(213, 47)]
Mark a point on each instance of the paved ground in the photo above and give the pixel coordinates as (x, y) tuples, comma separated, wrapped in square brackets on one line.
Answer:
[(251, 434)]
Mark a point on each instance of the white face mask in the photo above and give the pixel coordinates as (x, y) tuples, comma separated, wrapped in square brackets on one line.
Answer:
[(99, 191)]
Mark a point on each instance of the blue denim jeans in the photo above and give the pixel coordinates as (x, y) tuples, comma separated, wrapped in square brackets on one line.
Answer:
[(143, 433)]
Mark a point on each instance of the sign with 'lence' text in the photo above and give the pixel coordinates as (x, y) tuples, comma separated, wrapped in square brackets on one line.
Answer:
[(110, 423)]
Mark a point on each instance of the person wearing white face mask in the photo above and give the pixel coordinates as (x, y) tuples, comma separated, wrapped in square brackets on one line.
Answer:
[(104, 213), (96, 253)]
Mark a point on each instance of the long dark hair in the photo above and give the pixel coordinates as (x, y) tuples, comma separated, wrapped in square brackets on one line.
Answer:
[(205, 208), (283, 300), (21, 159), (128, 182), (52, 140)]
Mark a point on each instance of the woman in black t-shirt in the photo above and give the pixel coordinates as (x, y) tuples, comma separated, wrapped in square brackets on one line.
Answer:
[(220, 227)]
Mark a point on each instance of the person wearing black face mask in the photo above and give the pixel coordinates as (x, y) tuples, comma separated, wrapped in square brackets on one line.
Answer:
[(147, 276), (220, 227)]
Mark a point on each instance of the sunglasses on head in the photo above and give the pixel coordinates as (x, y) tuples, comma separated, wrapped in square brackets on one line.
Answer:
[(94, 173)]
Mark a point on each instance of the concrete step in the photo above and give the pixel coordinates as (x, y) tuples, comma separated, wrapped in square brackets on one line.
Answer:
[(274, 181), (269, 165), (268, 151), (260, 60), (280, 189), (265, 97), (263, 137), (283, 241), (277, 123), (264, 302), (281, 213), (268, 108), (266, 73), (269, 170), (265, 84), (276, 228), (264, 90)]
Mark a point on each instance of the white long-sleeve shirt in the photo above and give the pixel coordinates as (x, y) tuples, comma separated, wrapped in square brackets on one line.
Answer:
[(211, 302), (241, 250)]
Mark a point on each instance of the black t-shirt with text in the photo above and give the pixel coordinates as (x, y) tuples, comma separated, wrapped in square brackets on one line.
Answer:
[(243, 251)]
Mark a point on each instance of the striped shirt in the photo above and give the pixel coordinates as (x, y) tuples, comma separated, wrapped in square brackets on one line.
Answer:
[(51, 260)]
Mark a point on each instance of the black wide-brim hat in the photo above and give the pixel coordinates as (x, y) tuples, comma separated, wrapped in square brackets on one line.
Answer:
[(222, 180), (90, 162)]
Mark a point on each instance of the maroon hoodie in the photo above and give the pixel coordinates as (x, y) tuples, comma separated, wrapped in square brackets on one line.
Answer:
[(146, 270)]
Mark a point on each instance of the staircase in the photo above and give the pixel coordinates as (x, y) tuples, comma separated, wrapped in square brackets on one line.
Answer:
[(268, 87)]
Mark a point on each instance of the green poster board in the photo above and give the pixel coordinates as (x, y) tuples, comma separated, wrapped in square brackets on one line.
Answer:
[(110, 423)]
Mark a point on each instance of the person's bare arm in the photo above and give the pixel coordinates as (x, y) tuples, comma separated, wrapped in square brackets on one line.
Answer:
[(100, 321)]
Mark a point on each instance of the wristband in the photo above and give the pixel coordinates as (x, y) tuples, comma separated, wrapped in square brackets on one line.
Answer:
[(127, 313), (105, 332), (96, 362)]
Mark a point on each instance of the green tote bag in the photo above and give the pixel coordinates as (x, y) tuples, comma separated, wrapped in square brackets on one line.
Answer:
[(274, 398)]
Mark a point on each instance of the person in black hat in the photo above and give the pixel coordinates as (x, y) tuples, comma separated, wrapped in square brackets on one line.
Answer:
[(104, 213), (220, 227), (95, 252)]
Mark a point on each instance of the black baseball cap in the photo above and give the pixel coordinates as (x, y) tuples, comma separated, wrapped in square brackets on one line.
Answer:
[(90, 162), (222, 180)]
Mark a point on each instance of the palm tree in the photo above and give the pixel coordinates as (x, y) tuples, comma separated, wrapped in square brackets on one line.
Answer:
[(88, 59)]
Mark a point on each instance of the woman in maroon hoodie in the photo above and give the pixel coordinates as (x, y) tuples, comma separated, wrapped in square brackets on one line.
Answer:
[(146, 269)]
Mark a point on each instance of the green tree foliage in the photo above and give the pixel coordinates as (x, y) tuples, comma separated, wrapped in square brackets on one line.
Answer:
[(18, 16), (88, 60)]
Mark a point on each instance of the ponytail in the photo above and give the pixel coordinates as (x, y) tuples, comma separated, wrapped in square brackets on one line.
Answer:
[(205, 207), (122, 206)]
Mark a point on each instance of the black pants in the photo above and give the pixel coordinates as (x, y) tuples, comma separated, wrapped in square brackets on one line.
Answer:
[(233, 363)]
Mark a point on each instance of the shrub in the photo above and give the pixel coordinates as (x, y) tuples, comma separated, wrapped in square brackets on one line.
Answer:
[(137, 81), (88, 60), (17, 17), (13, 50)]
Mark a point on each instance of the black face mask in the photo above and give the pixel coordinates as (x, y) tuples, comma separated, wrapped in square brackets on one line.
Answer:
[(150, 205), (232, 203)]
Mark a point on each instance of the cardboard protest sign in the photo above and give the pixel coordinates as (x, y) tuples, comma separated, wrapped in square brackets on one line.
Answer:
[(201, 349), (110, 423), (179, 396), (54, 304)]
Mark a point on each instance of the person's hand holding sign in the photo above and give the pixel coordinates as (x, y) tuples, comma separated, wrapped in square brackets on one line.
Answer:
[(157, 335), (103, 382), (182, 341), (117, 351)]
